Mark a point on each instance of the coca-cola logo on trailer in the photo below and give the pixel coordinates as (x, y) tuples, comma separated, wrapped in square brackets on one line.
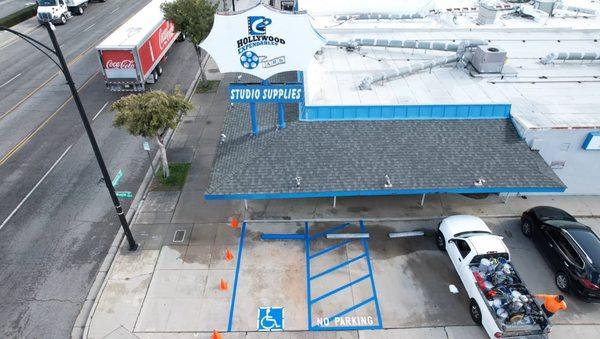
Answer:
[(118, 59), (123, 64), (166, 34)]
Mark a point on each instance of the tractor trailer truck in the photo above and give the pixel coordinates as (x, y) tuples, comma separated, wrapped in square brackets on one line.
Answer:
[(132, 55), (59, 11)]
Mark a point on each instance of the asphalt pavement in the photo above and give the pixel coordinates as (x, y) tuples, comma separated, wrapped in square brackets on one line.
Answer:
[(57, 218), (8, 7)]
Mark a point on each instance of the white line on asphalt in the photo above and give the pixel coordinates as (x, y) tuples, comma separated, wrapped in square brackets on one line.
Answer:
[(100, 111), (11, 79), (90, 26), (114, 10), (34, 188)]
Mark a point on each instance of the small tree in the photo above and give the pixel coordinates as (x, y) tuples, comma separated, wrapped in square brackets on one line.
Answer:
[(194, 19), (150, 114)]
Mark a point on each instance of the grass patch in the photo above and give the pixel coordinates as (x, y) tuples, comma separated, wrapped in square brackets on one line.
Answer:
[(209, 87), (176, 181)]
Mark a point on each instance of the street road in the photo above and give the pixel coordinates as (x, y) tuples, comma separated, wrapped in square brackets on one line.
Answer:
[(56, 219), (10, 6)]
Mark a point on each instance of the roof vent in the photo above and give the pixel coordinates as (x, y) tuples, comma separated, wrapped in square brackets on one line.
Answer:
[(388, 182)]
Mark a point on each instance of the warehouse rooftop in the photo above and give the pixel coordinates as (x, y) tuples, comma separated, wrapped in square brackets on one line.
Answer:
[(560, 94)]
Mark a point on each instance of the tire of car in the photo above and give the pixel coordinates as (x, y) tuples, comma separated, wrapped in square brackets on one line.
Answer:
[(562, 280), (80, 10), (440, 241), (63, 19), (527, 227), (159, 70), (475, 312)]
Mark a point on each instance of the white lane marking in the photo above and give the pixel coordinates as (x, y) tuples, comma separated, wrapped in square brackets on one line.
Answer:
[(11, 79), (90, 26), (100, 111), (14, 39), (34, 188), (114, 10)]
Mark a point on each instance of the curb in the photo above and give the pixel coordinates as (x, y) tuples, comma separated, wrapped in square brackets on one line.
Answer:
[(83, 320)]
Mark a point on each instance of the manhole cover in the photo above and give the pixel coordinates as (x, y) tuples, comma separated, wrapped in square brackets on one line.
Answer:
[(179, 236)]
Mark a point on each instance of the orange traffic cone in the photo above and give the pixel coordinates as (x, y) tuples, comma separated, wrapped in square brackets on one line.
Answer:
[(215, 335), (223, 286), (234, 223), (228, 255)]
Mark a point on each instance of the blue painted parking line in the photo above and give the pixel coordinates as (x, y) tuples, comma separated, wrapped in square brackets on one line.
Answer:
[(237, 274), (322, 324), (331, 230), (366, 244), (338, 266), (331, 248), (275, 236), (308, 294), (346, 328), (341, 288)]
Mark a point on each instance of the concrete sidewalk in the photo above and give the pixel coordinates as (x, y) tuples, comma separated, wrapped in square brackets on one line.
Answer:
[(170, 287)]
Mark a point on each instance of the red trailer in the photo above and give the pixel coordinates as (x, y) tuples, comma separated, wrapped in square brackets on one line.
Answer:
[(131, 56)]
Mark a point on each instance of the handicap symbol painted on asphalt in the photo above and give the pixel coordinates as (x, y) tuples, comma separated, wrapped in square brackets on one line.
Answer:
[(270, 319)]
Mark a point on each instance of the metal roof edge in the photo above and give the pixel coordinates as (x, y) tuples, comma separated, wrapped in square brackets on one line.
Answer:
[(382, 192)]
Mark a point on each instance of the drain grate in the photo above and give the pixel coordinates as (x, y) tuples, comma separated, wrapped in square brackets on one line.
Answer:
[(179, 236)]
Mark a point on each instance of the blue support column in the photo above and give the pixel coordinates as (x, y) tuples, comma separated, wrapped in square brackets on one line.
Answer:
[(253, 118), (281, 108)]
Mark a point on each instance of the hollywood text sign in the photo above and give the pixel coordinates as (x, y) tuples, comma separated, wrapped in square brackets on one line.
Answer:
[(262, 41)]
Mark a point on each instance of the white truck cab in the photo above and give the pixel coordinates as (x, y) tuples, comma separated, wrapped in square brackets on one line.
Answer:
[(59, 11), (499, 299)]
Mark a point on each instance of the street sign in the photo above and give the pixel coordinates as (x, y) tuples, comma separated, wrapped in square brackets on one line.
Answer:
[(117, 179), (146, 146), (124, 195), (270, 319)]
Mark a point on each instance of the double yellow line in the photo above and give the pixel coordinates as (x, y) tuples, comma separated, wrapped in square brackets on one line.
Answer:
[(15, 106), (24, 141)]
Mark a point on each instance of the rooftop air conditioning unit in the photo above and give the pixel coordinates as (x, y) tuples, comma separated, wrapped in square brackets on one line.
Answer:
[(545, 5), (490, 10), (488, 59)]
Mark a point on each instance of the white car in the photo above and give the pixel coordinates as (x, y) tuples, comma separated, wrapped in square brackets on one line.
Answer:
[(499, 300)]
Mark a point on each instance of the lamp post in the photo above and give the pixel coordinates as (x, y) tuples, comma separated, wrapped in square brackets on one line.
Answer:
[(62, 65)]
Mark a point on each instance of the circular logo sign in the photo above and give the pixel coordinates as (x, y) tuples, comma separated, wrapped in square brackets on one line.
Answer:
[(249, 60)]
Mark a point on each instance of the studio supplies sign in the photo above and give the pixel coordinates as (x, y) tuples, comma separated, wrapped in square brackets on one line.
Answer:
[(288, 93), (262, 41)]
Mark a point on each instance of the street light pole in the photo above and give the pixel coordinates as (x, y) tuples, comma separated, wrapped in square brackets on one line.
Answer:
[(86, 123), (88, 129), (233, 5)]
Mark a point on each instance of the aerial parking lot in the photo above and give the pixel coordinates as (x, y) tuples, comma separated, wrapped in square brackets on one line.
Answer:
[(380, 283)]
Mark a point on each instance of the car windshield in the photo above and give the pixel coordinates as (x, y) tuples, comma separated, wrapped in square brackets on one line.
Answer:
[(589, 243), (47, 2)]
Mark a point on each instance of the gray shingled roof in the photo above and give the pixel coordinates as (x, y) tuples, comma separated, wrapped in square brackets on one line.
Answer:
[(355, 156)]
